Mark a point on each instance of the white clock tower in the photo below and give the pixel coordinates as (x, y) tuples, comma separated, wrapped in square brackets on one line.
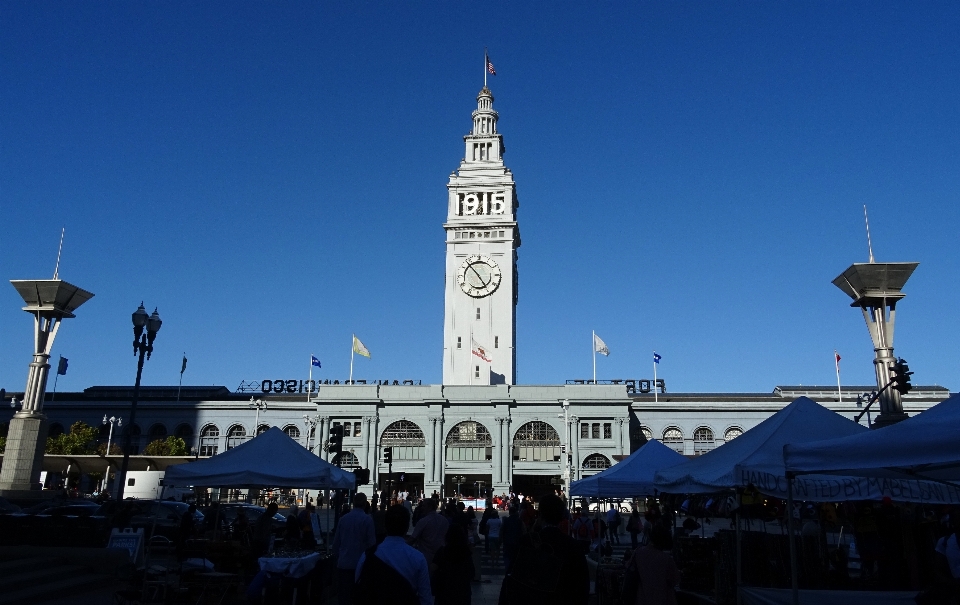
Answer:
[(480, 319)]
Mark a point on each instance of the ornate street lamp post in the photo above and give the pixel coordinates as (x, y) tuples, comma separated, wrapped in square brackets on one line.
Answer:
[(142, 345)]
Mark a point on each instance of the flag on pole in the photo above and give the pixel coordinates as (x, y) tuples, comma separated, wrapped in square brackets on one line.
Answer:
[(656, 357), (837, 355), (316, 362), (359, 349), (599, 346), (490, 68), (183, 366), (479, 351), (62, 366)]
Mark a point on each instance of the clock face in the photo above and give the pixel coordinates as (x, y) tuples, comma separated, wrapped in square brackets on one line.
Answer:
[(479, 276)]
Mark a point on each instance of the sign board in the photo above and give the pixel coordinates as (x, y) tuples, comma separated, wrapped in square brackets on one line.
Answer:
[(129, 540)]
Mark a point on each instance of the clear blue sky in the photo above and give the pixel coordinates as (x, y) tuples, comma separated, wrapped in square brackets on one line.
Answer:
[(272, 177)]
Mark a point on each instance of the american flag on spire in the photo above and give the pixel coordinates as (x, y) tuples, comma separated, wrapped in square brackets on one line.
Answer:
[(490, 68)]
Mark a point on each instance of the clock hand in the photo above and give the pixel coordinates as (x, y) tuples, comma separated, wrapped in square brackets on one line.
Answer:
[(479, 277)]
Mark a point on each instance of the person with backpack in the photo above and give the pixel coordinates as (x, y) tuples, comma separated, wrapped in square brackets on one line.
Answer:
[(393, 572), (583, 531), (550, 566)]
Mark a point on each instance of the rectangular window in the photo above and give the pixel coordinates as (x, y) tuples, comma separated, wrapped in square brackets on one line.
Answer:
[(584, 431), (459, 342), (478, 312), (607, 430), (476, 373), (356, 428), (596, 430), (496, 342)]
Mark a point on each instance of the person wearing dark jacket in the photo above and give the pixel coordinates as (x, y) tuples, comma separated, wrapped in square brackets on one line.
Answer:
[(510, 533), (454, 561), (568, 579)]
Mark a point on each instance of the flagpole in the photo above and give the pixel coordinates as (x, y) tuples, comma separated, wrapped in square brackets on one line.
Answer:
[(470, 359), (655, 377), (836, 358), (179, 386), (593, 346), (353, 345), (310, 380), (484, 66), (54, 396)]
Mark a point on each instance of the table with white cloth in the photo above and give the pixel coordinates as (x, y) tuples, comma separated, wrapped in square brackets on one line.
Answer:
[(290, 567)]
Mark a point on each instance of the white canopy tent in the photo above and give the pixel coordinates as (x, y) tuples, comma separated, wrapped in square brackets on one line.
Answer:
[(630, 477), (756, 457), (926, 446), (271, 459)]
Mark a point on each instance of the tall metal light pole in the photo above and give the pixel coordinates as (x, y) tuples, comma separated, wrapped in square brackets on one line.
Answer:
[(311, 426), (50, 301), (142, 345), (111, 421), (259, 404), (876, 289)]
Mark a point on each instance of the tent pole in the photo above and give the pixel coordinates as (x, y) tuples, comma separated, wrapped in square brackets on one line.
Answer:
[(794, 586), (736, 515)]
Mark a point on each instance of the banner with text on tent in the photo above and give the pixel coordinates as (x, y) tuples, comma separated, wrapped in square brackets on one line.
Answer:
[(832, 488)]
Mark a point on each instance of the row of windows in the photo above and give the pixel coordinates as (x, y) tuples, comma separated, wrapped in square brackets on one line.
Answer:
[(703, 438), (486, 234), (592, 431)]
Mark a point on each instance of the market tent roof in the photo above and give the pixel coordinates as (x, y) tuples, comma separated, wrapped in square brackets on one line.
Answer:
[(271, 459), (756, 457), (926, 446), (632, 476)]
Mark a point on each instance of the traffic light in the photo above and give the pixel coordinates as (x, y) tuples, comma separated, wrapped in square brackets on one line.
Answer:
[(362, 475), (901, 376), (388, 455), (336, 439)]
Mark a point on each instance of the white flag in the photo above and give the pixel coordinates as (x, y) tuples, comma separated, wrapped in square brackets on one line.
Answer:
[(479, 351), (599, 346)]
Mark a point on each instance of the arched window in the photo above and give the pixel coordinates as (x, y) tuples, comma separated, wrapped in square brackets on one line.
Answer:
[(702, 441), (157, 431), (209, 440), (185, 432), (596, 462), (405, 438), (236, 435), (536, 441), (469, 440), (55, 430), (292, 431), (673, 438), (263, 428), (647, 433), (732, 433), (346, 460)]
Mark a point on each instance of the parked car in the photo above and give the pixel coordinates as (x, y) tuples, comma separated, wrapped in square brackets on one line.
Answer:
[(41, 507), (7, 507), (75, 510), (164, 515), (228, 513)]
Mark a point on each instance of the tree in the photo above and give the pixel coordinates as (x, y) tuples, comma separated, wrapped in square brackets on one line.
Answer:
[(82, 439), (114, 449), (171, 446)]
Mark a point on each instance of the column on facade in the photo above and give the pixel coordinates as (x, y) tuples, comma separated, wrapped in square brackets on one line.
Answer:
[(575, 467), (497, 465), (439, 449), (620, 436), (375, 443), (428, 451), (366, 442), (507, 452)]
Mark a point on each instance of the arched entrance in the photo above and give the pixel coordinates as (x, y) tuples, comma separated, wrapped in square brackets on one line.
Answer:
[(408, 445), (468, 449), (537, 459)]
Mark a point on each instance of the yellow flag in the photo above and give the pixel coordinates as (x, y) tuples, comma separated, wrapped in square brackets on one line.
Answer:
[(359, 349)]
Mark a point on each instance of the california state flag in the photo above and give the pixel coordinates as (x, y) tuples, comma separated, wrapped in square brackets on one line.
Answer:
[(479, 351)]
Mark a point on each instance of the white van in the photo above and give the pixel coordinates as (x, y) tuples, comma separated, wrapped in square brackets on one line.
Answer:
[(148, 485)]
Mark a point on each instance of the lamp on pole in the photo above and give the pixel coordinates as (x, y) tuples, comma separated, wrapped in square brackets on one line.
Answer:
[(259, 404), (111, 421), (142, 346), (566, 441), (311, 425)]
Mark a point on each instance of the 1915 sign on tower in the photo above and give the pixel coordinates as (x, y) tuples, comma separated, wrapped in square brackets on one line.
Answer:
[(479, 327)]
